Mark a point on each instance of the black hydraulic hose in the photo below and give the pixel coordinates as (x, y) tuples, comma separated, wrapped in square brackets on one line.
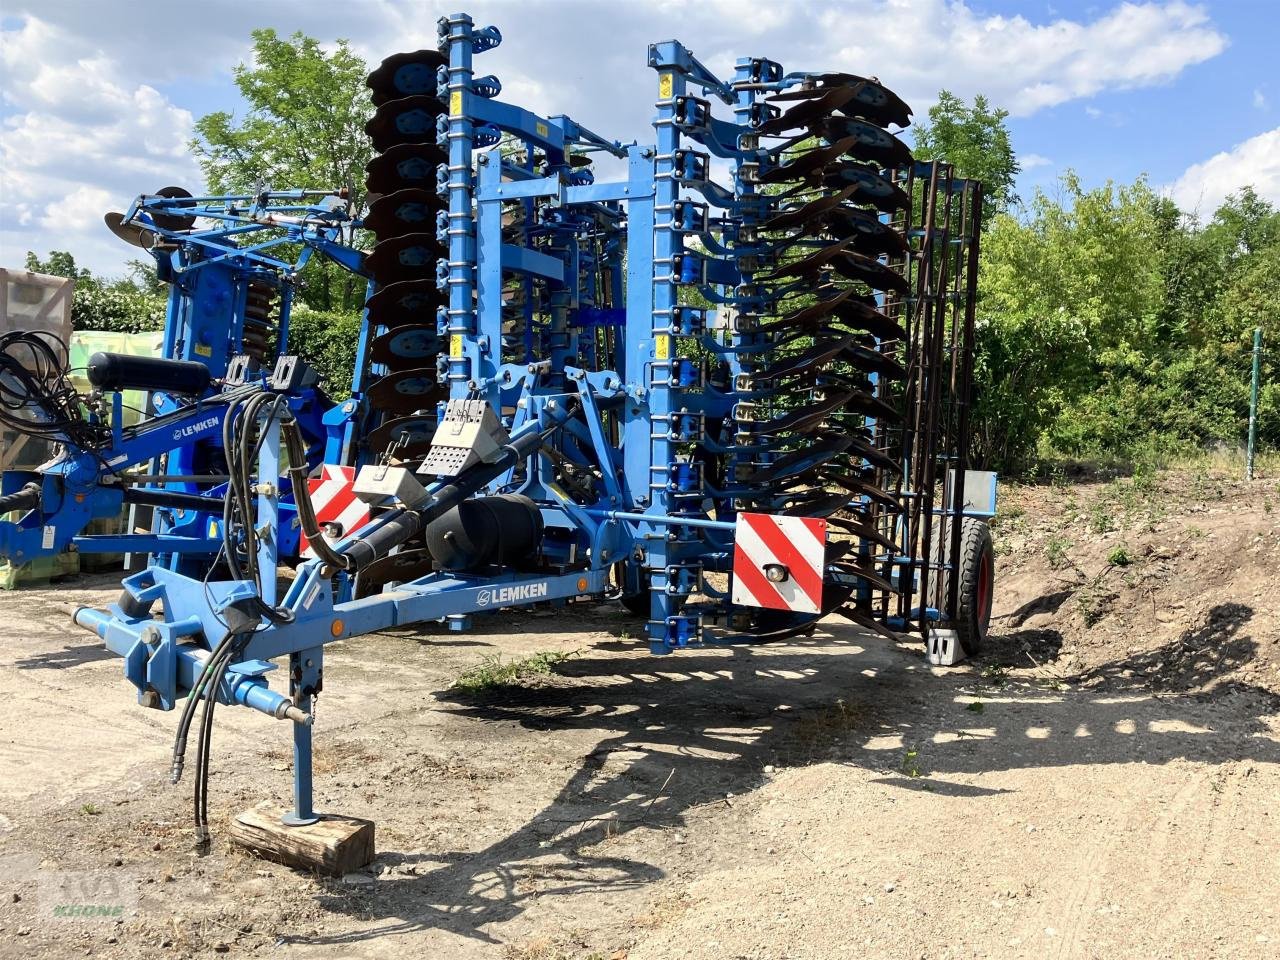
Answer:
[(177, 499), (394, 528), (25, 499), (307, 521), (400, 524)]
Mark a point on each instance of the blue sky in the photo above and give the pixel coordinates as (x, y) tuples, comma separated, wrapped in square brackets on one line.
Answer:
[(97, 99)]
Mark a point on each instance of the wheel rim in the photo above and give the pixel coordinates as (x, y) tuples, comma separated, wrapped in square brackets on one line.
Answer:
[(984, 592)]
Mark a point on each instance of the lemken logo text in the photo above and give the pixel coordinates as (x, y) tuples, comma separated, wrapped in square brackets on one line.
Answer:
[(500, 595), (181, 433)]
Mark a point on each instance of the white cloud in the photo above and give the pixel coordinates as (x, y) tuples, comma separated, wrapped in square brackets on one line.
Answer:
[(79, 138), (1259, 99), (1018, 64), (94, 93), (1029, 161), (1255, 162)]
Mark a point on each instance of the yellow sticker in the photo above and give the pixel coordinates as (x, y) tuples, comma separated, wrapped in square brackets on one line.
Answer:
[(666, 82), (455, 345), (662, 347), (541, 129), (203, 351), (455, 103)]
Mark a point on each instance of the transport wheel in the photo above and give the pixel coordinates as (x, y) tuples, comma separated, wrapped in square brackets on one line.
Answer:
[(977, 567)]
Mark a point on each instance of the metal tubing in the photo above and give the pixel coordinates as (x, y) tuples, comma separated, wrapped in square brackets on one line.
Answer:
[(1253, 403)]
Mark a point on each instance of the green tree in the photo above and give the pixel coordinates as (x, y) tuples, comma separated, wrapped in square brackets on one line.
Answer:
[(59, 263), (976, 140), (304, 128)]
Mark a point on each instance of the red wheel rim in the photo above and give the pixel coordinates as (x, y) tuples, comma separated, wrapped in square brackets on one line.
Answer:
[(984, 591)]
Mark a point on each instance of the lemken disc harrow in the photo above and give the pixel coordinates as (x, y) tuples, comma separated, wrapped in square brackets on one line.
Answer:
[(732, 395)]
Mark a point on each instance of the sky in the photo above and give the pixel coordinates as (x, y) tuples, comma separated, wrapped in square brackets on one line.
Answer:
[(97, 99)]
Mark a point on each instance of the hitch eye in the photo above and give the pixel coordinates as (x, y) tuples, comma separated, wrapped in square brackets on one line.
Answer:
[(776, 573)]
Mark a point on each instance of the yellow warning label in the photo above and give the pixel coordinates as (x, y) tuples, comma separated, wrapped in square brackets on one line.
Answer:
[(662, 347), (455, 103), (666, 82), (455, 345), (541, 129), (203, 351)]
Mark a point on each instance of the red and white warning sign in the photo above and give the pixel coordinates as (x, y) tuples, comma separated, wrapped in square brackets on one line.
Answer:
[(778, 562), (335, 502)]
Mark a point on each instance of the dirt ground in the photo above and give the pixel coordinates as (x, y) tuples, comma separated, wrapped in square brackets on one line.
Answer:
[(1103, 782)]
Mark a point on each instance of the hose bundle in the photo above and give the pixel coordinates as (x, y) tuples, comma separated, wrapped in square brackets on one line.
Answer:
[(37, 397)]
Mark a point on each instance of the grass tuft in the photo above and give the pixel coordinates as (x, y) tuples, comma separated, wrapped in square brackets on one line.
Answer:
[(495, 672)]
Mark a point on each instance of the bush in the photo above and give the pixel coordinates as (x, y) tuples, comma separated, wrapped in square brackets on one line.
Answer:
[(327, 340), (119, 308)]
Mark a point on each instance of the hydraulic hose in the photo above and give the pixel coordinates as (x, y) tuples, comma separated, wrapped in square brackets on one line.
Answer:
[(307, 521), (397, 526), (25, 499)]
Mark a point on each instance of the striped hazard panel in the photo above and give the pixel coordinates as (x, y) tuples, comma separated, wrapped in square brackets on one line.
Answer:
[(335, 503), (778, 561)]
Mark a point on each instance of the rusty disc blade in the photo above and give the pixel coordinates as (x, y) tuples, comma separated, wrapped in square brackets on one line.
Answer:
[(412, 256), (407, 120), (411, 210), (409, 301), (397, 568), (411, 435), (402, 166), (416, 343), (407, 391), (406, 75)]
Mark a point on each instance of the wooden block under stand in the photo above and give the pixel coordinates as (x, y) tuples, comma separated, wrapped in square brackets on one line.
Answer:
[(333, 845)]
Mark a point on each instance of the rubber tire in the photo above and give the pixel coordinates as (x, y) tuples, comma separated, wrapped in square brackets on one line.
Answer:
[(977, 585), (636, 604), (134, 609)]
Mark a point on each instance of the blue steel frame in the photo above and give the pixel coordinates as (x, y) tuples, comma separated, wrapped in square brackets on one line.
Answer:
[(209, 280)]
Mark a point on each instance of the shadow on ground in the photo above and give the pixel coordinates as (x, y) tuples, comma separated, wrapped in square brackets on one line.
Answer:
[(695, 727)]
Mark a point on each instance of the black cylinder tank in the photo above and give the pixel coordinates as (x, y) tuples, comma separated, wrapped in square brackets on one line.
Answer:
[(486, 530), (119, 371)]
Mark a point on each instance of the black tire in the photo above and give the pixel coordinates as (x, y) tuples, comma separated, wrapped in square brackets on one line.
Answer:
[(636, 603), (134, 609), (977, 566)]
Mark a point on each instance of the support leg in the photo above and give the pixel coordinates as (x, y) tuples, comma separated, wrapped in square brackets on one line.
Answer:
[(305, 670)]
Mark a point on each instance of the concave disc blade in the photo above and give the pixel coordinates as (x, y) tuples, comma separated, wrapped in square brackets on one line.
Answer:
[(173, 221), (397, 568), (407, 120), (129, 232), (407, 391), (412, 210), (404, 165), (405, 75), (869, 142), (409, 301), (409, 257), (872, 188), (416, 343), (410, 435)]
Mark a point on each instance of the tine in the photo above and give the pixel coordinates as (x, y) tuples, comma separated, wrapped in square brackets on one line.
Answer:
[(863, 572), (863, 530)]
